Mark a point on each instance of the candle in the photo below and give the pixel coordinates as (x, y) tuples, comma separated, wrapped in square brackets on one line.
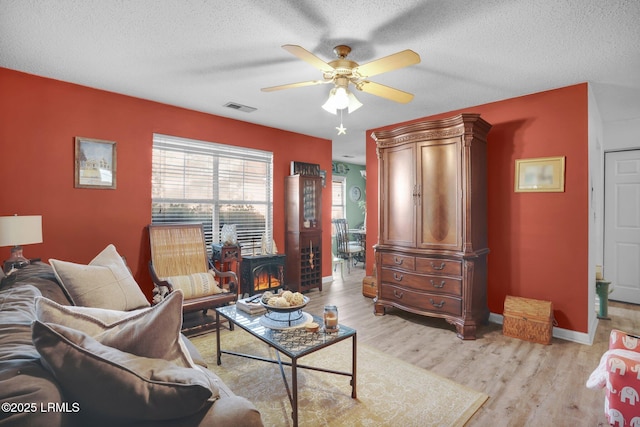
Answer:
[(331, 321), (330, 318)]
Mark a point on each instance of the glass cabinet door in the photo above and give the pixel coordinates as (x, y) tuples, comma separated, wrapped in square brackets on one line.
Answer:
[(310, 202)]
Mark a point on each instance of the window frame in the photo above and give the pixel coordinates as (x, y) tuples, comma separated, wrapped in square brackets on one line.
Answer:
[(343, 204), (231, 167)]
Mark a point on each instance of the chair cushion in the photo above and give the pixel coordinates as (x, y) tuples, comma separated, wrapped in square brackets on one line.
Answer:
[(105, 282), (624, 341), (195, 285), (114, 383), (354, 248), (619, 372), (150, 332)]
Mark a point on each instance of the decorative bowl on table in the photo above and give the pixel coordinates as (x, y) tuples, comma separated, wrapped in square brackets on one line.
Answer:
[(285, 309)]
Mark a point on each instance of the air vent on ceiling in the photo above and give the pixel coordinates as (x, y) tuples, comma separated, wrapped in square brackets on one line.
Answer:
[(240, 107)]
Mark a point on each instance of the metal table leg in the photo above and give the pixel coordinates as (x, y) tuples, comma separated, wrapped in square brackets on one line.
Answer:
[(353, 365), (294, 386), (218, 352)]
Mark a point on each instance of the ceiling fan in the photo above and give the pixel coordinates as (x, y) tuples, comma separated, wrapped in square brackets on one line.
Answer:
[(342, 71)]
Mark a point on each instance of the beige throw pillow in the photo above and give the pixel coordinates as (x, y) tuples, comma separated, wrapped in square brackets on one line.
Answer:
[(150, 332), (117, 384), (105, 282), (195, 285)]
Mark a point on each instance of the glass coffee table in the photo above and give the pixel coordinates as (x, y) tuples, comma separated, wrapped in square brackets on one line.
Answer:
[(293, 342)]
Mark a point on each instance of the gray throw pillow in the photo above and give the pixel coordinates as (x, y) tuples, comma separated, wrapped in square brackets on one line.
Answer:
[(150, 332), (107, 381)]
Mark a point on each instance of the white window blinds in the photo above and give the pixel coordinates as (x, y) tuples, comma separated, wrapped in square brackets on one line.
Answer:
[(215, 184)]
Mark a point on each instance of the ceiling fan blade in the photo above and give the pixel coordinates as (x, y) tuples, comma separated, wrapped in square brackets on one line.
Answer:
[(388, 63), (292, 85), (305, 55), (385, 91)]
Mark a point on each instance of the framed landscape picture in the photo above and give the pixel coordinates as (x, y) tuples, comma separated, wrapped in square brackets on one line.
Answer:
[(545, 174), (95, 163)]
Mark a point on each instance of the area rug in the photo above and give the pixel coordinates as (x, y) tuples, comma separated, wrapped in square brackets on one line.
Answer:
[(390, 392)]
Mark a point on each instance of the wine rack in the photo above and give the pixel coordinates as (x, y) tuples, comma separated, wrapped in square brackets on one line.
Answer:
[(303, 240)]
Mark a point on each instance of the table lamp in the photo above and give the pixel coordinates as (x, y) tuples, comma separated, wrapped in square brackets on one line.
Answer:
[(19, 230)]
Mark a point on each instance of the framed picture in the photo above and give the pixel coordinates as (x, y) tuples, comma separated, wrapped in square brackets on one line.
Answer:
[(308, 169), (339, 168), (95, 163), (545, 174)]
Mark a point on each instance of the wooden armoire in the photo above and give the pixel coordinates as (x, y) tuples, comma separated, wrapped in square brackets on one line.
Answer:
[(303, 232), (431, 258)]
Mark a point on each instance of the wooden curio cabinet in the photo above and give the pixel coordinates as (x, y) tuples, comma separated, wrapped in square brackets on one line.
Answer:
[(303, 228), (431, 258)]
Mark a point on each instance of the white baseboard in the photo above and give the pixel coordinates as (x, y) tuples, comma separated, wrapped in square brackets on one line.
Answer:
[(564, 334)]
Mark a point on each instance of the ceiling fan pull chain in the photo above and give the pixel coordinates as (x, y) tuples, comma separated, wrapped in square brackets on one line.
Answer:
[(341, 129)]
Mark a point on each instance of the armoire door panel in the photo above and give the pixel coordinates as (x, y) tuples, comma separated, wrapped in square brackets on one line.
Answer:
[(440, 185), (398, 199)]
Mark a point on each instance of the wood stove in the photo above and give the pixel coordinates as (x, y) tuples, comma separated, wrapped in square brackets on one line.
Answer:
[(260, 273)]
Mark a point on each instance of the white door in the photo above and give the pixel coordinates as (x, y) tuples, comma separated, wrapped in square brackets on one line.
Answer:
[(622, 225)]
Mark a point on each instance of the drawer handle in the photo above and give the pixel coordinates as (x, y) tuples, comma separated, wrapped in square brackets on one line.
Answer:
[(398, 277), (438, 267), (433, 303), (435, 285), (398, 294), (398, 261)]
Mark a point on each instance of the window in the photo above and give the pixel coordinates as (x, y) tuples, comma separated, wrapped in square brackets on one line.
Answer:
[(215, 184), (338, 199)]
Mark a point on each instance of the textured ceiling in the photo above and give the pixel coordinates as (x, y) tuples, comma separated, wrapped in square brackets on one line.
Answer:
[(202, 54)]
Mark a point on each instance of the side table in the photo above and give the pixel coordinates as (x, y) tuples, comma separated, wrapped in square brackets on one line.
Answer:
[(225, 256)]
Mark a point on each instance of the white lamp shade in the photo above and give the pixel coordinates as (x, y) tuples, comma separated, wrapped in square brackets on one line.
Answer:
[(340, 98), (354, 104), (330, 105), (20, 230)]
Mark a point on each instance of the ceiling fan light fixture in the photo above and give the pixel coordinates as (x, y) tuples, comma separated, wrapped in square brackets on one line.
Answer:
[(339, 99)]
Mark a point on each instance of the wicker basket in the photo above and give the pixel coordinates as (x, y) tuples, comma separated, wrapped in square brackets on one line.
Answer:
[(528, 319)]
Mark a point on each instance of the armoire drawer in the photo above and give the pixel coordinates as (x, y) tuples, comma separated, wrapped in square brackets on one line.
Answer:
[(439, 266), (422, 282), (424, 301), (400, 261)]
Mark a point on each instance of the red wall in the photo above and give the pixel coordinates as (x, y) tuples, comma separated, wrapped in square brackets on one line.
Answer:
[(538, 241), (39, 119)]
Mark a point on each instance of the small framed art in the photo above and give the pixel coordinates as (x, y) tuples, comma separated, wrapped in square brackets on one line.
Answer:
[(95, 165), (545, 174), (307, 169)]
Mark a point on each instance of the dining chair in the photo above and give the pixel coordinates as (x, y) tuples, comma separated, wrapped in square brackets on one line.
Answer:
[(347, 250)]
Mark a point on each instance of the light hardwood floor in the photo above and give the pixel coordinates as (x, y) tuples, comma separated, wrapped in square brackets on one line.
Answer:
[(529, 384)]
